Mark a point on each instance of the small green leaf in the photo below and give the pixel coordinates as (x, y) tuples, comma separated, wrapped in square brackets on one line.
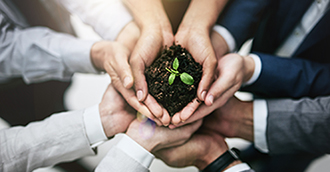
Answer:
[(171, 79), (176, 64), (186, 78)]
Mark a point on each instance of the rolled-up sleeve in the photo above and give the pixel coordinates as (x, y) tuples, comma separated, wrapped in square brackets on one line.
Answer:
[(38, 54)]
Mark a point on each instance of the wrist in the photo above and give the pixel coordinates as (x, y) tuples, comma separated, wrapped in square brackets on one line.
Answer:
[(248, 68), (204, 160), (142, 133), (245, 127), (149, 13), (223, 161), (147, 144), (219, 44), (97, 55), (106, 122), (205, 14), (233, 164)]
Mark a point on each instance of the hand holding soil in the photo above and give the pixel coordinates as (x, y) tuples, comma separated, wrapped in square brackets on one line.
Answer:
[(173, 78)]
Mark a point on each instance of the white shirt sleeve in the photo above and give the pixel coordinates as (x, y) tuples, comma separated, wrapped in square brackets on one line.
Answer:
[(227, 36), (238, 167), (38, 54), (93, 126), (257, 70), (260, 114), (136, 151), (107, 17)]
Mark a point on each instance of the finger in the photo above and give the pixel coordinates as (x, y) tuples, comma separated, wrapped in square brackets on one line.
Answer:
[(223, 85), (121, 67), (129, 96), (143, 55), (209, 67), (166, 119), (189, 109), (153, 106), (140, 83), (200, 113), (176, 120)]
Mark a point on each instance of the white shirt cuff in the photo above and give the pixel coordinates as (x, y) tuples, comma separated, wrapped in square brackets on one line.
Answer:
[(227, 36), (136, 151), (257, 70), (260, 113), (238, 167), (93, 126)]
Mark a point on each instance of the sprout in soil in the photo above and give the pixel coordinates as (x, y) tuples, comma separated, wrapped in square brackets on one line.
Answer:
[(185, 77)]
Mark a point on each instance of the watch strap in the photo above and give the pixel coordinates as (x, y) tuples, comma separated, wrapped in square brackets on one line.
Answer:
[(223, 161)]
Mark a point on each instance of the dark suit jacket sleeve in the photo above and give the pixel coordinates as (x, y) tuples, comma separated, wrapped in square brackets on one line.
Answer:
[(298, 126), (295, 78), (241, 18)]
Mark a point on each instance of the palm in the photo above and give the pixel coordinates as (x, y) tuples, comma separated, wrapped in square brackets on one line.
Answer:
[(116, 111), (203, 144)]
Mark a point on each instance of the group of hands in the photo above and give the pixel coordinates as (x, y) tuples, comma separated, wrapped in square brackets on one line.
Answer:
[(199, 129)]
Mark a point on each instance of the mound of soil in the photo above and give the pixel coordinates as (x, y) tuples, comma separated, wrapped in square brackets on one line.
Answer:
[(176, 96)]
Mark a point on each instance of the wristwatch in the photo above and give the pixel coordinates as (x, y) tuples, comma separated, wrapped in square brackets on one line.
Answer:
[(223, 161)]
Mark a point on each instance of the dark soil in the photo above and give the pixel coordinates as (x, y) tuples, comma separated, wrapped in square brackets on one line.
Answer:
[(176, 96)]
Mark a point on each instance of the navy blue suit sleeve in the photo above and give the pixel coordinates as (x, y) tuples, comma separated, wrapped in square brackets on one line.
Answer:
[(283, 77), (241, 18)]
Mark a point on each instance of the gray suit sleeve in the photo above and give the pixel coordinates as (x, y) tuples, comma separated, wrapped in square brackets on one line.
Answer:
[(39, 54), (59, 138), (298, 126), (119, 161)]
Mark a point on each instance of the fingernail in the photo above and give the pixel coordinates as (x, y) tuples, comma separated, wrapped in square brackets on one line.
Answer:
[(211, 99), (171, 126), (139, 95), (203, 95), (127, 81)]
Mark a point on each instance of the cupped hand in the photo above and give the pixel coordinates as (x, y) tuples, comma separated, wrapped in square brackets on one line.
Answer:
[(154, 138), (202, 149), (150, 44), (197, 42), (156, 32), (116, 115), (229, 77)]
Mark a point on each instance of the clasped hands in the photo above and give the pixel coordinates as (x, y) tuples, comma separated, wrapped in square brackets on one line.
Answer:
[(137, 46)]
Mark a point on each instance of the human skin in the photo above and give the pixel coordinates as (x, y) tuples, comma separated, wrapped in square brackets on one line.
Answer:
[(156, 33), (116, 115), (194, 34), (201, 150), (232, 71), (113, 57), (159, 137)]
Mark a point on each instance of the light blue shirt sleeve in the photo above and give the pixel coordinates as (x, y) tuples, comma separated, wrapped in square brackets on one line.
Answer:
[(39, 54)]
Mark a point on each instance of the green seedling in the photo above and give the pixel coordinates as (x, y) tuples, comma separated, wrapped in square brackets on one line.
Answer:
[(185, 77)]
